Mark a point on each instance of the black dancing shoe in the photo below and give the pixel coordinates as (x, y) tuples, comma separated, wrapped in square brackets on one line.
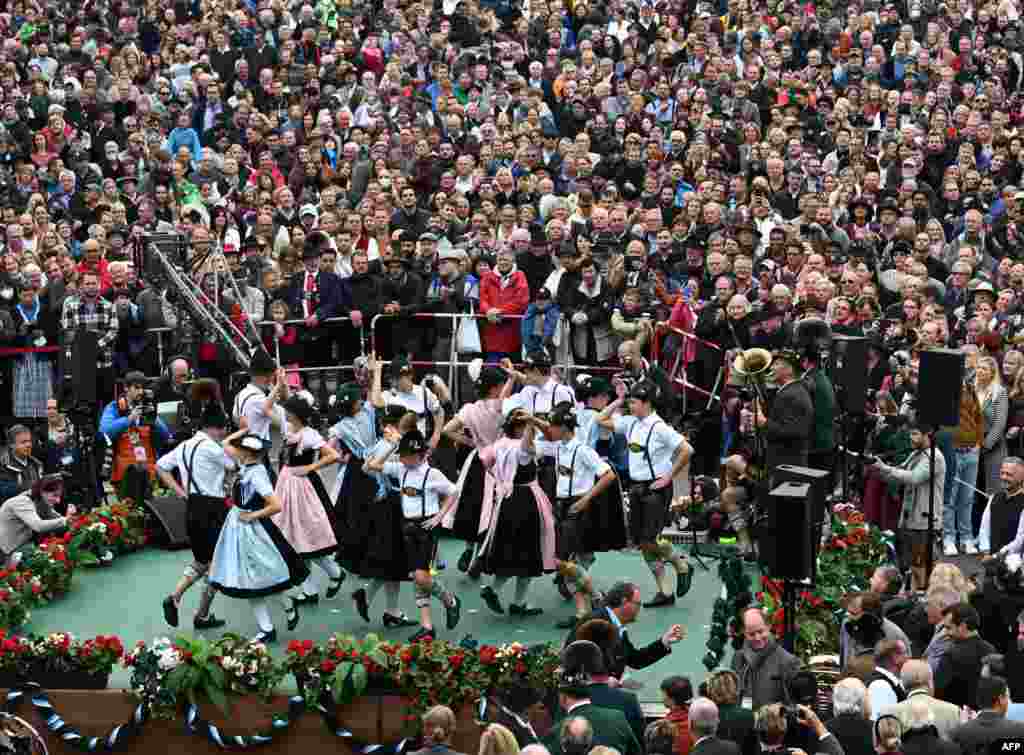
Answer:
[(362, 604), (453, 611), (684, 581), (207, 622), (292, 614), (335, 587), (170, 611), (306, 599), (476, 568), (569, 623), (659, 600), (423, 634), (491, 599), (267, 638), (465, 560), (401, 620), (524, 610)]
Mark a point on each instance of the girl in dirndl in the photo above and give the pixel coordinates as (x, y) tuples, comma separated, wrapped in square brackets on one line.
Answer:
[(252, 559), (33, 383), (354, 435), (385, 562), (477, 425), (520, 540), (307, 517)]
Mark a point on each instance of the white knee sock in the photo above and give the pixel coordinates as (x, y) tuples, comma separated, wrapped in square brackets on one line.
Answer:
[(330, 566), (310, 586), (499, 585), (522, 586), (391, 590), (261, 611)]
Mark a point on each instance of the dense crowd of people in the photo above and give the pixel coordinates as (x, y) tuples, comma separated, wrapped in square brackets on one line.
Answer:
[(653, 192)]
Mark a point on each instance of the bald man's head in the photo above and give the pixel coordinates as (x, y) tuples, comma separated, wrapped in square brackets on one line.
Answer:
[(850, 697)]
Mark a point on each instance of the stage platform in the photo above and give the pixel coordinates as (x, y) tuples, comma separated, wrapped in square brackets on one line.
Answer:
[(124, 599)]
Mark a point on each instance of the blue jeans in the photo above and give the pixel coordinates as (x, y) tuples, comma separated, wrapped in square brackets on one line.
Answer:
[(551, 315), (959, 498)]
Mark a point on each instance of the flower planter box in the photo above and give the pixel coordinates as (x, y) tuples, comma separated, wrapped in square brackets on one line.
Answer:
[(72, 680), (372, 720)]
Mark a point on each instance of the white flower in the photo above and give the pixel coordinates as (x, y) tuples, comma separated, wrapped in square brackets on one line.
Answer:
[(169, 659), (1014, 562), (98, 527)]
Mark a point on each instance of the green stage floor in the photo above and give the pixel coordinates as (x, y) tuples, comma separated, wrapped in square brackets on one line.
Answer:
[(124, 599)]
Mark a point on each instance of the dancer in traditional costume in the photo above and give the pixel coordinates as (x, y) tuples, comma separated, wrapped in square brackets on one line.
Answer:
[(657, 455), (383, 561), (520, 540), (307, 516), (477, 425), (591, 517), (252, 559), (200, 463), (417, 399), (355, 435), (255, 407), (423, 488)]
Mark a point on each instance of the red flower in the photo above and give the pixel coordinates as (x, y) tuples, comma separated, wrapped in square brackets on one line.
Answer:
[(456, 660), (328, 667), (36, 588), (520, 668), (307, 645), (4, 595), (406, 656), (779, 616), (296, 647), (488, 655)]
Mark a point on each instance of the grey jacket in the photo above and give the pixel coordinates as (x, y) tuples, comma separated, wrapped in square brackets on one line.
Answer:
[(762, 673), (913, 475)]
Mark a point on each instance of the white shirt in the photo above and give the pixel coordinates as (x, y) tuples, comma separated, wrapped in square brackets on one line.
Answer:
[(422, 488), (985, 533), (205, 458), (652, 443), (542, 399), (578, 465), (419, 400), (881, 693), (249, 404)]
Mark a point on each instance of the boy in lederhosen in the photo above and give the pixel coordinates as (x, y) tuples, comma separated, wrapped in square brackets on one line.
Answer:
[(586, 501), (423, 489)]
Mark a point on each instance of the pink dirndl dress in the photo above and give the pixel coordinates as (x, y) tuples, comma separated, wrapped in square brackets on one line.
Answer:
[(305, 519)]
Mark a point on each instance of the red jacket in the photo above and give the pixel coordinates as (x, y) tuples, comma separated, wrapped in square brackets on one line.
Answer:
[(511, 300)]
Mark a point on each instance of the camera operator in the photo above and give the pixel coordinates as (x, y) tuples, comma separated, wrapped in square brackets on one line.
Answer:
[(915, 474), (776, 727), (31, 513), (133, 429)]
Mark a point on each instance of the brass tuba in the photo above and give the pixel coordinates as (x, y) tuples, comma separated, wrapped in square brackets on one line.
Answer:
[(752, 363)]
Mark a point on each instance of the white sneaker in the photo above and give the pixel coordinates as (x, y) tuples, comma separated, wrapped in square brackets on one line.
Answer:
[(971, 549), (949, 549)]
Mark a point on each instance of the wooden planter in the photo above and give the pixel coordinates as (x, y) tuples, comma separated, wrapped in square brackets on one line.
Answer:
[(372, 719), (71, 680)]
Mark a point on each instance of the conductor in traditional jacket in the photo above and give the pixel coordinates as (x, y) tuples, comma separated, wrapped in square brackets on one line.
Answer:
[(787, 427)]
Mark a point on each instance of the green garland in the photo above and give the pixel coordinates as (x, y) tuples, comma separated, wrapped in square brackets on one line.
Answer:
[(725, 616)]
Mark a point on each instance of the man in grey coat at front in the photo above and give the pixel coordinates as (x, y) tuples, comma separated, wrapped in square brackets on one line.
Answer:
[(762, 664)]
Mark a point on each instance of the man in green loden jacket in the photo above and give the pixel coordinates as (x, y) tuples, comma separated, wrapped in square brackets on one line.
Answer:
[(609, 727), (823, 436)]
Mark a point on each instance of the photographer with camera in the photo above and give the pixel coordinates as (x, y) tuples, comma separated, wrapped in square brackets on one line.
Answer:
[(30, 514), (777, 725), (915, 474), (132, 428)]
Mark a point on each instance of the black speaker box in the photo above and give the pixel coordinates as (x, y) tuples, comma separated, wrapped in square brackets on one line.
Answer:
[(786, 535), (940, 380), (78, 362), (850, 372), (816, 478), (170, 513)]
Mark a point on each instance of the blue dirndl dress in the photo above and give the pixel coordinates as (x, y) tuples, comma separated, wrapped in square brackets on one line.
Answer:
[(253, 559)]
